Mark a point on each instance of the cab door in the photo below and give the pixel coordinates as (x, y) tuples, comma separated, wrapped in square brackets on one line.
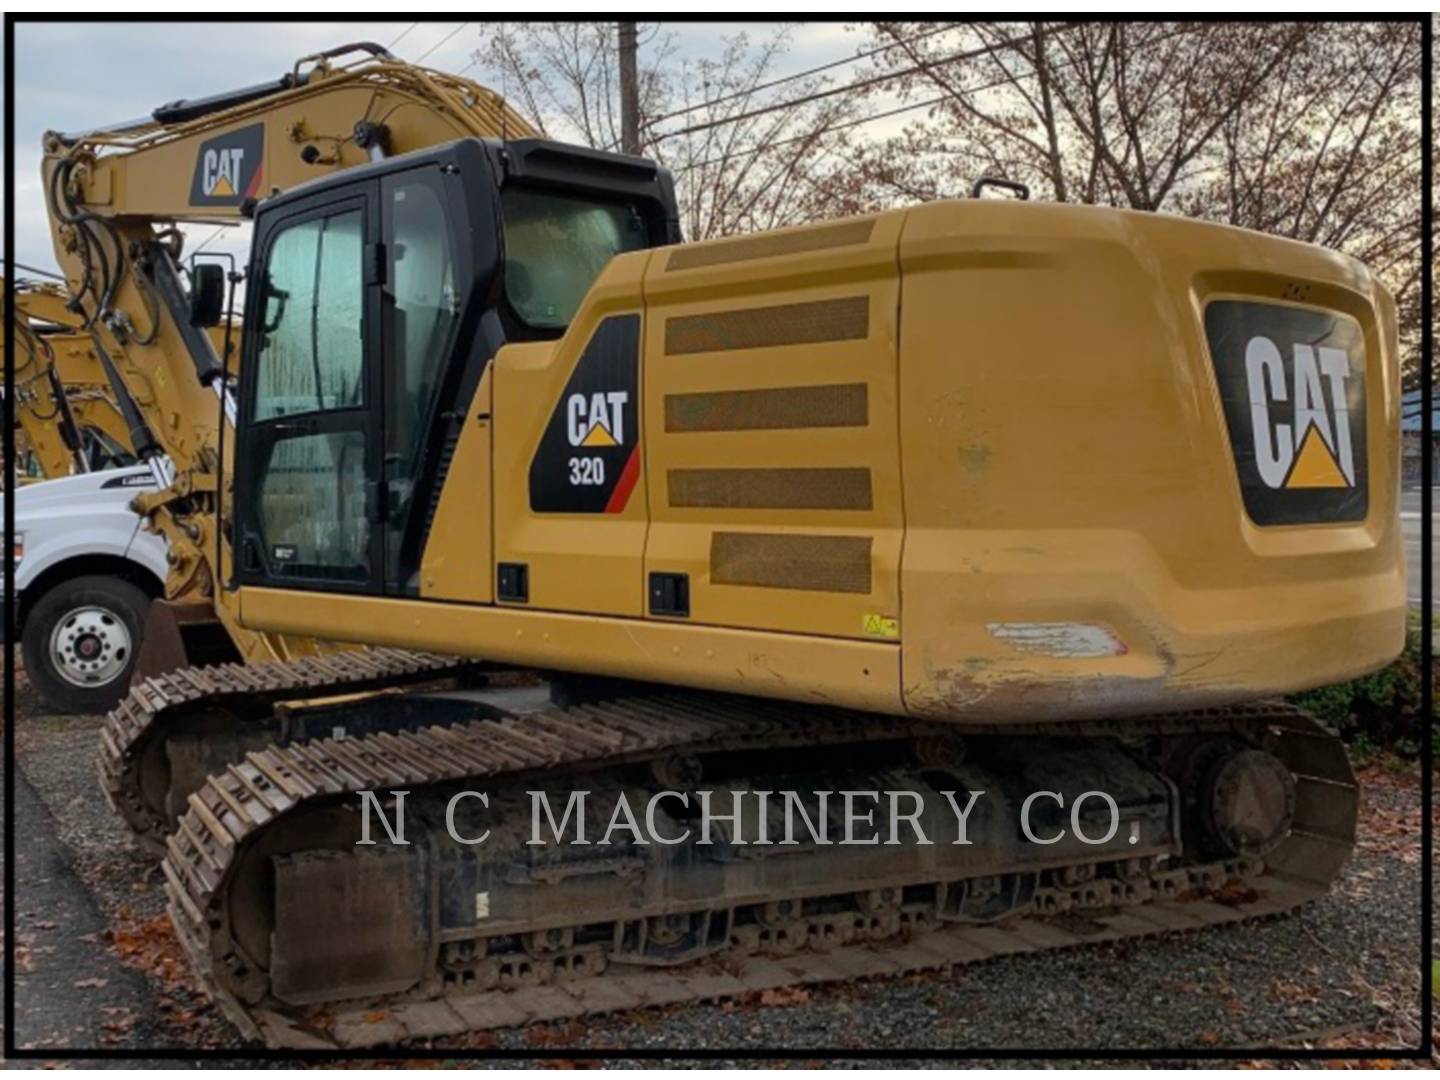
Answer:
[(429, 368), (308, 501)]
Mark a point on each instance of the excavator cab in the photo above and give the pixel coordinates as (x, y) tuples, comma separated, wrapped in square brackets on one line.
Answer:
[(378, 299)]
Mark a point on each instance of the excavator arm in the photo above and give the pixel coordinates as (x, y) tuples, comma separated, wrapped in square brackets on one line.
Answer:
[(115, 196), (65, 411), (47, 434)]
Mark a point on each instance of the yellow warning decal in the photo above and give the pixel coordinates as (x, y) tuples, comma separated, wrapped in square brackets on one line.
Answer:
[(880, 626), (1315, 466)]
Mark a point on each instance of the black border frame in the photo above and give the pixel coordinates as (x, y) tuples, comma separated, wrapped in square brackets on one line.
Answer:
[(1422, 1052)]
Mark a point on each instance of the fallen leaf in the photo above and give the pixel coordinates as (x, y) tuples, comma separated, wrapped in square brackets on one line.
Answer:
[(785, 995)]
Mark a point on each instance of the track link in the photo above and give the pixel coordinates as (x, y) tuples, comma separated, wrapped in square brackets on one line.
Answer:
[(252, 799), (245, 695)]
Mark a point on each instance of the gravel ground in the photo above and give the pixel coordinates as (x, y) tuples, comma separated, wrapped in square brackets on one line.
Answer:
[(1343, 973)]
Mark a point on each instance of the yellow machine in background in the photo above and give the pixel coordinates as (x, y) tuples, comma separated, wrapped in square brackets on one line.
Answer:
[(64, 407), (82, 596), (973, 497)]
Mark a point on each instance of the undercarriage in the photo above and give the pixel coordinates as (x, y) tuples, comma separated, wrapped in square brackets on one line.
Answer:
[(731, 845)]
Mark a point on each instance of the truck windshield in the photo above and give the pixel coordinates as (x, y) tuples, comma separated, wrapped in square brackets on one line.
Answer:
[(555, 248)]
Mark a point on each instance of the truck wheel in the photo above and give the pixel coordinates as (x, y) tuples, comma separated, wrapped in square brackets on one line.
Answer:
[(81, 640)]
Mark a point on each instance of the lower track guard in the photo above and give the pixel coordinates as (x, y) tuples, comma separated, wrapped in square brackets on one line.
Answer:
[(1227, 815)]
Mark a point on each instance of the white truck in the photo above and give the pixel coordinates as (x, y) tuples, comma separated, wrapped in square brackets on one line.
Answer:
[(85, 573)]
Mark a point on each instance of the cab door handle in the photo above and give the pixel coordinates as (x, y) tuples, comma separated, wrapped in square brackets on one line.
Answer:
[(295, 427), (377, 502)]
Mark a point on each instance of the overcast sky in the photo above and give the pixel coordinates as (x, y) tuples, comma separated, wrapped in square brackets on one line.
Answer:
[(77, 75)]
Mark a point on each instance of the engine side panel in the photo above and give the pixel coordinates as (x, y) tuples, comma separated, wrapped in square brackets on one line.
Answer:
[(770, 417)]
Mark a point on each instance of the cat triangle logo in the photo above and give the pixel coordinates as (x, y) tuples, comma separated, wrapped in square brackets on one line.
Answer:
[(222, 188), (1315, 466), (597, 419), (1315, 448), (599, 435)]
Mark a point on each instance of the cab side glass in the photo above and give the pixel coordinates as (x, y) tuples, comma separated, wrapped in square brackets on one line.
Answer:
[(311, 355), (555, 248)]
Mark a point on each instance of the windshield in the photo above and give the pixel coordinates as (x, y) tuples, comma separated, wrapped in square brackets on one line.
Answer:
[(555, 248)]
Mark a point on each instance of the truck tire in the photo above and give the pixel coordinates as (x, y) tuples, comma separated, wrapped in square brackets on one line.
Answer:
[(81, 640)]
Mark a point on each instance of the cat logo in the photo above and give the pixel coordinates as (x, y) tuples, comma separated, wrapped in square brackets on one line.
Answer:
[(597, 419), (1314, 450), (1292, 384), (220, 170), (227, 167)]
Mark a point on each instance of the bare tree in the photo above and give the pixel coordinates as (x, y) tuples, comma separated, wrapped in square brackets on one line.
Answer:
[(1307, 130), (565, 76), (1118, 113), (1328, 151), (750, 148)]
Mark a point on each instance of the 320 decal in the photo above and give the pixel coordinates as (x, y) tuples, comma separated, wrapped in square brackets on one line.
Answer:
[(588, 459)]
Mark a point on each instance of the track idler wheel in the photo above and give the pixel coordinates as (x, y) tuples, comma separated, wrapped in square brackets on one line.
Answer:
[(1246, 802)]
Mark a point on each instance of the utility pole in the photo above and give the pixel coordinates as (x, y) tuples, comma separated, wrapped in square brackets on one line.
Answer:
[(629, 90)]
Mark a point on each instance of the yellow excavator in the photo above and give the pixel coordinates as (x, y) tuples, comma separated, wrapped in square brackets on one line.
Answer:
[(1020, 515), (65, 413)]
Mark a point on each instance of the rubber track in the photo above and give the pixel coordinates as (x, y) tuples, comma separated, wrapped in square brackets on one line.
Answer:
[(151, 706), (257, 794)]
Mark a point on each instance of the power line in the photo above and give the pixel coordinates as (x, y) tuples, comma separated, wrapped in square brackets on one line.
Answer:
[(442, 41), (927, 103), (860, 84), (798, 75), (784, 79), (210, 239), (43, 274), (401, 36)]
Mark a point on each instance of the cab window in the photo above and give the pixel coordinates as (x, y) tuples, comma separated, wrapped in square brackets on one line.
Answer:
[(311, 355), (555, 248)]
